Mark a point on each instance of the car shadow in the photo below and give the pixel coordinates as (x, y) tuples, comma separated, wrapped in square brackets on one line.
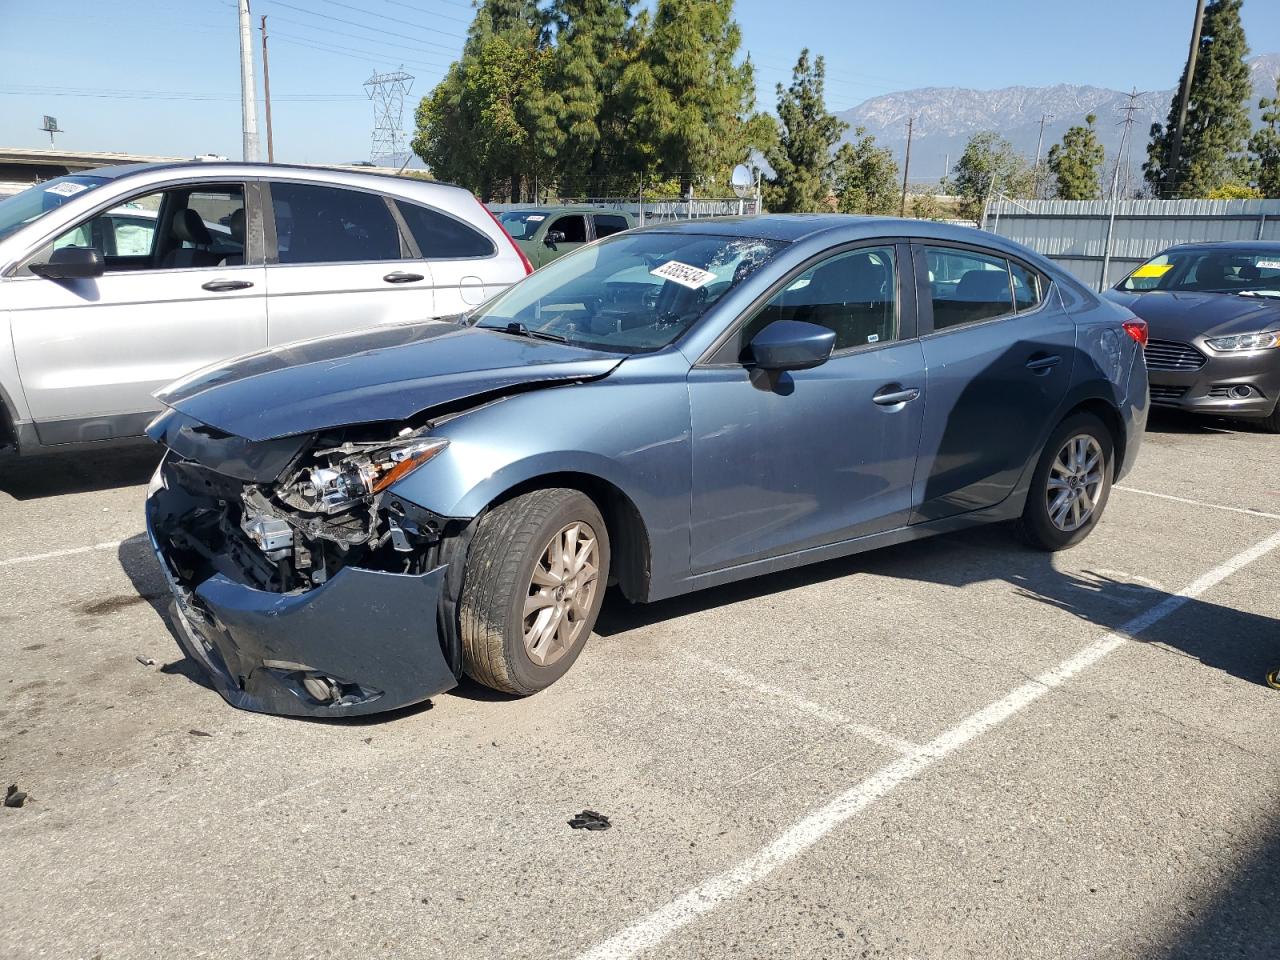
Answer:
[(86, 471)]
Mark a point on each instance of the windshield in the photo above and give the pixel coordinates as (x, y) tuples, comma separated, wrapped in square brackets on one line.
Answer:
[(1251, 273), (631, 293), (522, 224), (35, 202)]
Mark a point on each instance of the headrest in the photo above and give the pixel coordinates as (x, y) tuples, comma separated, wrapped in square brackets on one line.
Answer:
[(188, 227), (235, 223), (984, 286)]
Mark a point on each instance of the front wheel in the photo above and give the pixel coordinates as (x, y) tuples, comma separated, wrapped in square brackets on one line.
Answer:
[(532, 588), (1271, 422), (1070, 486)]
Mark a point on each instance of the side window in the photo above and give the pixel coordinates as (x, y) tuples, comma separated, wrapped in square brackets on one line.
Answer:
[(442, 237), (573, 227), (607, 224), (853, 293), (316, 224), (181, 228), (967, 287), (1028, 287)]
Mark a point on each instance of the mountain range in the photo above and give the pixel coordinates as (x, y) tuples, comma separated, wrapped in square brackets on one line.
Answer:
[(946, 117)]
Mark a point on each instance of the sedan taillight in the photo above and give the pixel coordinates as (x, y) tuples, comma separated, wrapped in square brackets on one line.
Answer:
[(1138, 330)]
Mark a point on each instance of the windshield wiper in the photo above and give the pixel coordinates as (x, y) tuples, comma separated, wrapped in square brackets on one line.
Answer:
[(518, 329)]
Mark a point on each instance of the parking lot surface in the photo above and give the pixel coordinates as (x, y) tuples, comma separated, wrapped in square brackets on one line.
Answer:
[(953, 748)]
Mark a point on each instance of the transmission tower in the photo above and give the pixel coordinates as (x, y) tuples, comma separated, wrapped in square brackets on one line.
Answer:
[(388, 92)]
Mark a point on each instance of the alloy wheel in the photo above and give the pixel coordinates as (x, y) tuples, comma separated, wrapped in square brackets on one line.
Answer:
[(1075, 482), (560, 593)]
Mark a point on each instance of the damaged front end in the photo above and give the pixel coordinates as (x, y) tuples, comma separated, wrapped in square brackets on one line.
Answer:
[(301, 582)]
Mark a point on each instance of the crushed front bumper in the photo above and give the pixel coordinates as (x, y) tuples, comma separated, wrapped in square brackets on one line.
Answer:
[(364, 642)]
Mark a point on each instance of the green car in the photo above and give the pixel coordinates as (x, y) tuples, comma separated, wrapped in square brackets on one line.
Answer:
[(550, 232)]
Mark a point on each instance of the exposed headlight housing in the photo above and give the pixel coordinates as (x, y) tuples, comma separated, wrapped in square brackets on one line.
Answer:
[(1245, 341), (341, 485)]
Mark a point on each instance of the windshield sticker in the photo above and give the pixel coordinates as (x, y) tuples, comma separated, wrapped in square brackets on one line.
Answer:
[(1268, 264), (692, 277), (537, 218), (1153, 270), (66, 189)]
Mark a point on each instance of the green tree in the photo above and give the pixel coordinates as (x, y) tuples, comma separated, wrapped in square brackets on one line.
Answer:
[(866, 176), (802, 159), (1265, 146), (690, 106), (987, 169), (486, 125), (1076, 161), (1217, 125), (925, 206), (595, 42)]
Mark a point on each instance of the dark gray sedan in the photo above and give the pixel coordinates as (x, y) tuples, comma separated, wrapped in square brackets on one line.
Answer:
[(1213, 316), (350, 524)]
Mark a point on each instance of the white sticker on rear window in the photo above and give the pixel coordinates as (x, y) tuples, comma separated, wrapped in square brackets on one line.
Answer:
[(684, 274), (1268, 264), (66, 189), (537, 219)]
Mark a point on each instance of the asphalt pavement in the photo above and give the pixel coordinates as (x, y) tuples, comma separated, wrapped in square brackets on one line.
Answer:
[(953, 748)]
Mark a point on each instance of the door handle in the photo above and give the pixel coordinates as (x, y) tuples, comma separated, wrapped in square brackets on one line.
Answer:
[(222, 286), (890, 397), (400, 276), (1043, 364)]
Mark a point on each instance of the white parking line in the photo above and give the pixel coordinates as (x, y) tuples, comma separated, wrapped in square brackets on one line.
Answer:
[(802, 705), (1199, 503), (651, 930), (54, 554)]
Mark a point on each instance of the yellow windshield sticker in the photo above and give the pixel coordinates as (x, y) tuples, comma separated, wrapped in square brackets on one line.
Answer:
[(1153, 270)]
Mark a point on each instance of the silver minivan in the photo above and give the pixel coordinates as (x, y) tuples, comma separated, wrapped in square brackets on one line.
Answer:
[(119, 280)]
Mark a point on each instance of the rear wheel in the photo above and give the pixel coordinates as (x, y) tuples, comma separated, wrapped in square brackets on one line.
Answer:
[(532, 588), (1070, 486)]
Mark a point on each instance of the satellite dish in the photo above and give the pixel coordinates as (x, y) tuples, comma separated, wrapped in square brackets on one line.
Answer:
[(743, 181)]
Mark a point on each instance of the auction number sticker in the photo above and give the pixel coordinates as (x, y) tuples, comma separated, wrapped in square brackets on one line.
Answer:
[(1267, 264), (682, 273), (66, 189), (1153, 270), (538, 218)]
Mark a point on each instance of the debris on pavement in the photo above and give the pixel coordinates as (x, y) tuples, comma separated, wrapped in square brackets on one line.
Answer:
[(13, 797), (145, 661), (590, 820), (199, 733)]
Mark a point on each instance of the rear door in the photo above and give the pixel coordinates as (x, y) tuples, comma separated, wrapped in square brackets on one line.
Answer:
[(998, 352), (182, 289), (336, 261), (461, 258), (607, 224)]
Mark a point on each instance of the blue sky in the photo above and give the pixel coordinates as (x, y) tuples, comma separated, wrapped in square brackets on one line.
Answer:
[(148, 76)]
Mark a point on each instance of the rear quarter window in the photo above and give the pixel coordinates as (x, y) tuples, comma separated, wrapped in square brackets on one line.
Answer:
[(441, 237)]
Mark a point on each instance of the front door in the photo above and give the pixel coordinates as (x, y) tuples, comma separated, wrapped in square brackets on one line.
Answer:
[(183, 288), (999, 353), (788, 461), (572, 228)]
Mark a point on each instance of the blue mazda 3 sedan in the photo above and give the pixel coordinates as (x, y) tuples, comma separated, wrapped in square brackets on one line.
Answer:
[(349, 524)]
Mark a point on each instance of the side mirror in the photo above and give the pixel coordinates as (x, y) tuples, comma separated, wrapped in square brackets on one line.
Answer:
[(70, 263), (792, 345), (553, 237)]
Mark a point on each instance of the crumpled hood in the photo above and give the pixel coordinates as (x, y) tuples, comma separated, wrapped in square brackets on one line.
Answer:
[(1183, 315), (385, 373)]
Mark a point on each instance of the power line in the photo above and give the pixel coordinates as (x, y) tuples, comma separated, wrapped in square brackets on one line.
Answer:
[(353, 23), (365, 56), (412, 48), (384, 16)]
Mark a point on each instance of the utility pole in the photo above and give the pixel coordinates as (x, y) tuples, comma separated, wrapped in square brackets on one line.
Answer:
[(1115, 183), (1035, 174), (1184, 97), (906, 167), (248, 89), (266, 90)]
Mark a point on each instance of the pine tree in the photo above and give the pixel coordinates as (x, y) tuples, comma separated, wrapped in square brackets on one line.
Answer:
[(1265, 146), (1217, 125), (802, 161), (1075, 162), (988, 168), (866, 176), (691, 106)]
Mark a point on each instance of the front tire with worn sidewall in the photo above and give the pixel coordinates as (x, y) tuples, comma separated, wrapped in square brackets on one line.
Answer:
[(518, 576), (1036, 527)]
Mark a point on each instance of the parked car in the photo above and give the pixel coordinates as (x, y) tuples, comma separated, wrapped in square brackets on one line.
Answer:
[(1213, 312), (349, 524), (117, 281), (550, 232)]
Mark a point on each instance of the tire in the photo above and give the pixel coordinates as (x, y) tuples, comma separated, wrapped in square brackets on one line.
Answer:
[(511, 542), (1037, 527), (1271, 422)]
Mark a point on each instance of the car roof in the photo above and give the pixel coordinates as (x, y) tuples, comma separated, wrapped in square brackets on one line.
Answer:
[(564, 208), (793, 227), (1269, 246), (219, 168)]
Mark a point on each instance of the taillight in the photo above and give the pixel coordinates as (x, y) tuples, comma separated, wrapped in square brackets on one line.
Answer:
[(1138, 330), (528, 267)]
